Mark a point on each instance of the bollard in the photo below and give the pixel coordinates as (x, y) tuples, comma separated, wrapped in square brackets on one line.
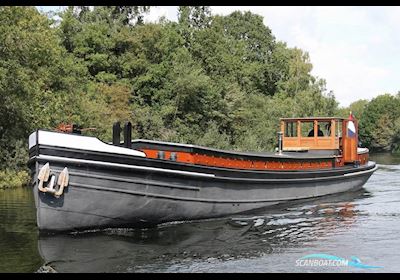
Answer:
[(128, 135), (116, 134)]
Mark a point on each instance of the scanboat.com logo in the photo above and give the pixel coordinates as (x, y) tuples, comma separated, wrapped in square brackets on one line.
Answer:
[(330, 260)]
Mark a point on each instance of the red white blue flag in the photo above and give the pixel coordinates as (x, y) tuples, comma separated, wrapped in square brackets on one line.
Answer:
[(351, 128)]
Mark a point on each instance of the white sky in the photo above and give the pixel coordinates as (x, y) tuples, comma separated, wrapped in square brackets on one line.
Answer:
[(355, 49)]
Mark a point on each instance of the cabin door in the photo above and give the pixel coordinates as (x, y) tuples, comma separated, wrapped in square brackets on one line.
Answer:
[(350, 140)]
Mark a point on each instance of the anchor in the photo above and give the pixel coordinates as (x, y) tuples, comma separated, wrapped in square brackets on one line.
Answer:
[(43, 176), (63, 180), (50, 187), (45, 173)]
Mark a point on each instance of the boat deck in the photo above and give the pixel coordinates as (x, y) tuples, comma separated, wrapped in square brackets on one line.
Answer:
[(198, 155), (170, 146)]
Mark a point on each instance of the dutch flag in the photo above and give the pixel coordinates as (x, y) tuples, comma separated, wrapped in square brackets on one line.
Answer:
[(351, 128)]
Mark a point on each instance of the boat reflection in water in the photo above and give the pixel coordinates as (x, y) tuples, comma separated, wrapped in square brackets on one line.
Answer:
[(157, 249)]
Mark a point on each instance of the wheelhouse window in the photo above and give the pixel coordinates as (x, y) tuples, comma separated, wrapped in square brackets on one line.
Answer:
[(338, 129), (291, 129), (324, 128), (307, 129)]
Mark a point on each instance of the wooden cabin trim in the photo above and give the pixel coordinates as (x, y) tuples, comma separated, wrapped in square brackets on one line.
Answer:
[(216, 160), (312, 119)]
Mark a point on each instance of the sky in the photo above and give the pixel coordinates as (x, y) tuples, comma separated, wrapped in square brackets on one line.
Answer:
[(354, 49)]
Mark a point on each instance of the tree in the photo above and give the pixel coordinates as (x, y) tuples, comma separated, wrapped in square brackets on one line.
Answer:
[(196, 17), (38, 79), (222, 81), (126, 15), (377, 123)]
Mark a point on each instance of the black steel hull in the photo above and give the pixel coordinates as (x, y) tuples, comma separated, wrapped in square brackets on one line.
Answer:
[(108, 190)]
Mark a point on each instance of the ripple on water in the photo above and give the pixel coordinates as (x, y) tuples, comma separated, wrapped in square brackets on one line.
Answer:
[(176, 245)]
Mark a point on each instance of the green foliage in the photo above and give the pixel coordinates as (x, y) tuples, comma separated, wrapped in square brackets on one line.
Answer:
[(357, 108), (10, 178), (219, 81), (379, 123), (213, 137), (194, 16), (32, 76)]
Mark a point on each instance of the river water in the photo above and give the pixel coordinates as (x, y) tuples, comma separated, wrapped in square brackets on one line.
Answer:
[(364, 224)]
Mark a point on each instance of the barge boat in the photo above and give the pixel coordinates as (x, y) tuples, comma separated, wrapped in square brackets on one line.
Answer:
[(80, 182)]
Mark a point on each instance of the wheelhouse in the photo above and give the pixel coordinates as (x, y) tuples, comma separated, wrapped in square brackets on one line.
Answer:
[(331, 134)]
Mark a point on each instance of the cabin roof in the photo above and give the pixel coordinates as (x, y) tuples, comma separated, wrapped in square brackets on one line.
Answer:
[(312, 119)]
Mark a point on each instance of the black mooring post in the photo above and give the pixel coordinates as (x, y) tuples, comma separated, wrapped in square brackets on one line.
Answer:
[(116, 134), (128, 135)]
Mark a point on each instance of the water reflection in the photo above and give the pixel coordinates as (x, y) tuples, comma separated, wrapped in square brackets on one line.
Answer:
[(386, 158), (18, 231), (129, 250)]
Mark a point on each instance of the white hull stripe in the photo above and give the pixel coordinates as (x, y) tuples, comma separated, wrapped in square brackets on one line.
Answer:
[(135, 167), (197, 174), (361, 172)]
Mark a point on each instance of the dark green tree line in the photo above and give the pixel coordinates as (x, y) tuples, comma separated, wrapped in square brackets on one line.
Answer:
[(220, 81)]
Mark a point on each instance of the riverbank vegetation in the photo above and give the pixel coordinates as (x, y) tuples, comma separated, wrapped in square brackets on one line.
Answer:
[(219, 81)]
